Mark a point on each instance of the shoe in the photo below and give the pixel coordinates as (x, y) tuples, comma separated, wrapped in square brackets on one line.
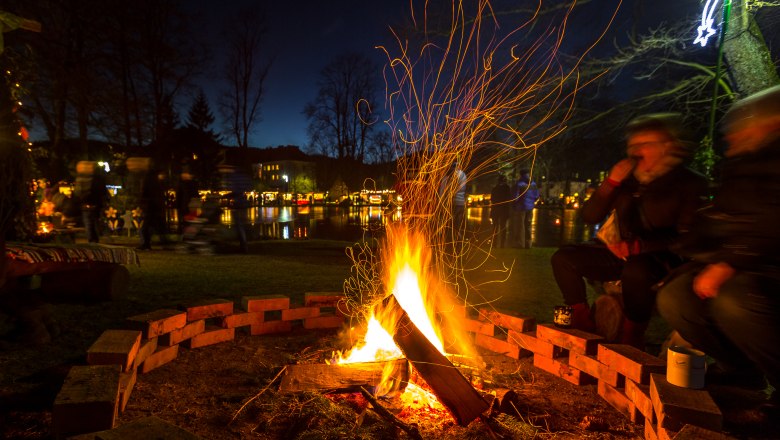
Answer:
[(633, 333), (581, 319)]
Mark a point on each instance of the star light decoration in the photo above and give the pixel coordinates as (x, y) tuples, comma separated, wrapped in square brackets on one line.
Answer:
[(705, 29)]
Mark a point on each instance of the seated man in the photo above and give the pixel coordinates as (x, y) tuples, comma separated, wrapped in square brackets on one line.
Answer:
[(653, 197), (727, 302)]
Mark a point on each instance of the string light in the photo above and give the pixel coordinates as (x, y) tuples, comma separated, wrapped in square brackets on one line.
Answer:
[(705, 29)]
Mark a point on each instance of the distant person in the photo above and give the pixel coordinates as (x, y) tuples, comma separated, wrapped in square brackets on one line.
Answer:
[(186, 190), (500, 199), (653, 196), (92, 197), (453, 185), (526, 194), (238, 183), (151, 199), (727, 302)]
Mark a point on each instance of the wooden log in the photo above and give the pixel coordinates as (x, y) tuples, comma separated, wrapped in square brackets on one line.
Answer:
[(447, 383), (343, 377)]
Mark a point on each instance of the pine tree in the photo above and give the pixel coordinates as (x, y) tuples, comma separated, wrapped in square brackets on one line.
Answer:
[(200, 116)]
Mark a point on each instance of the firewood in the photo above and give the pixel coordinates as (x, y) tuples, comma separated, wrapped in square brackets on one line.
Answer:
[(410, 430), (343, 377), (447, 383)]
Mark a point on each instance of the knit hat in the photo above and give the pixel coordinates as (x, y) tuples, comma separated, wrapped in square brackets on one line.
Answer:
[(669, 123)]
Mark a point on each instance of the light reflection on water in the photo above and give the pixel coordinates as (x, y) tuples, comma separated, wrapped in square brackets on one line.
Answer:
[(550, 226)]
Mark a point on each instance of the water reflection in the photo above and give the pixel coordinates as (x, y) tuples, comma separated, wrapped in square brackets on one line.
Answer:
[(550, 226)]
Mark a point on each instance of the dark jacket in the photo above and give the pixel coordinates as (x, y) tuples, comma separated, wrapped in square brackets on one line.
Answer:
[(500, 198), (656, 213), (742, 227)]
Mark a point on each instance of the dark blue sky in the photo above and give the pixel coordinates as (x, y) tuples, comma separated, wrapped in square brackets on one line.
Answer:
[(304, 35)]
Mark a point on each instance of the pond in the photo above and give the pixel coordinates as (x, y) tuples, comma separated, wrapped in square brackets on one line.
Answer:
[(551, 226)]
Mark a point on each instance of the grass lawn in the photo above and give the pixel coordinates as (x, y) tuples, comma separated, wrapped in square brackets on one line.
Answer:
[(512, 279)]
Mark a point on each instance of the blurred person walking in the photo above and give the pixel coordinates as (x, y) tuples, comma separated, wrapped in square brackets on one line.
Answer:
[(237, 183), (92, 196), (149, 190), (500, 199), (526, 195)]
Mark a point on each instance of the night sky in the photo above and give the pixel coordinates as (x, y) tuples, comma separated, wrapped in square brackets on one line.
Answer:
[(304, 36)]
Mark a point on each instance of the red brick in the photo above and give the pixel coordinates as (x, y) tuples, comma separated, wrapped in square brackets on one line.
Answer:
[(332, 321), (265, 303), (147, 349), (212, 308), (160, 357), (528, 341), (478, 327), (126, 384), (562, 369), (677, 406), (650, 430), (497, 345), (323, 299), (666, 434), (210, 337), (640, 395), (182, 334), (87, 401), (118, 347), (690, 432), (570, 339), (508, 320), (242, 319), (653, 432), (271, 327), (300, 313), (159, 322), (619, 401), (592, 367), (631, 362)]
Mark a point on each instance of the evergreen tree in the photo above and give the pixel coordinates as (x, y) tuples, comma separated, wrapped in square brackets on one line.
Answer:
[(200, 116)]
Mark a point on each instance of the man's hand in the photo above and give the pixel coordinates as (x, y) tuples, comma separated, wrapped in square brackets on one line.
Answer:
[(621, 170), (624, 249), (708, 281)]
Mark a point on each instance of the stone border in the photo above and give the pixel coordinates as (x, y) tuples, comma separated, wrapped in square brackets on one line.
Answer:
[(629, 379)]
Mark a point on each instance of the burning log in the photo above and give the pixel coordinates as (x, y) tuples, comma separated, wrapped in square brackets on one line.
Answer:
[(447, 383), (410, 430), (343, 377)]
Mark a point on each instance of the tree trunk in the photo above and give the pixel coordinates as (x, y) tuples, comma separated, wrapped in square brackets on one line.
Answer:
[(749, 62)]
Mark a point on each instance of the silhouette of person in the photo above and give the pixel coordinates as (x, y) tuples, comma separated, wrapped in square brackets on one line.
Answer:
[(500, 199)]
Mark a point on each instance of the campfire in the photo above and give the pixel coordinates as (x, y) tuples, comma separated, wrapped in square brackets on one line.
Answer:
[(402, 355)]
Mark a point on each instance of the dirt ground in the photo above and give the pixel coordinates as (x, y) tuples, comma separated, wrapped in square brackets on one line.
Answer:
[(205, 389)]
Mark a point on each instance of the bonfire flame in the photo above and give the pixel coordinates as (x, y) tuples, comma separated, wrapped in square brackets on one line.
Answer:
[(407, 258)]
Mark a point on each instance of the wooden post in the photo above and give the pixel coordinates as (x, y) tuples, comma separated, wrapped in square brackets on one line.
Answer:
[(448, 384)]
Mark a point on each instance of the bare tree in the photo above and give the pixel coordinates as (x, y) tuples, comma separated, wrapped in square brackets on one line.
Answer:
[(245, 74), (341, 117)]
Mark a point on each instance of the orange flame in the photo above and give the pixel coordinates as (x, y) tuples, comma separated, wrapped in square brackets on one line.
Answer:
[(407, 258)]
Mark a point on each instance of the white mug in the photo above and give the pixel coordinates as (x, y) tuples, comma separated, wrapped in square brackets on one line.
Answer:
[(685, 367)]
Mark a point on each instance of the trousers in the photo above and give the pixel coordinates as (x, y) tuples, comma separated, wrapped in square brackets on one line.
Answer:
[(572, 264), (740, 327)]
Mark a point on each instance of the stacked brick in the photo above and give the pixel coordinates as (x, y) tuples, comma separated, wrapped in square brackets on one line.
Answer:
[(92, 395), (630, 380)]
